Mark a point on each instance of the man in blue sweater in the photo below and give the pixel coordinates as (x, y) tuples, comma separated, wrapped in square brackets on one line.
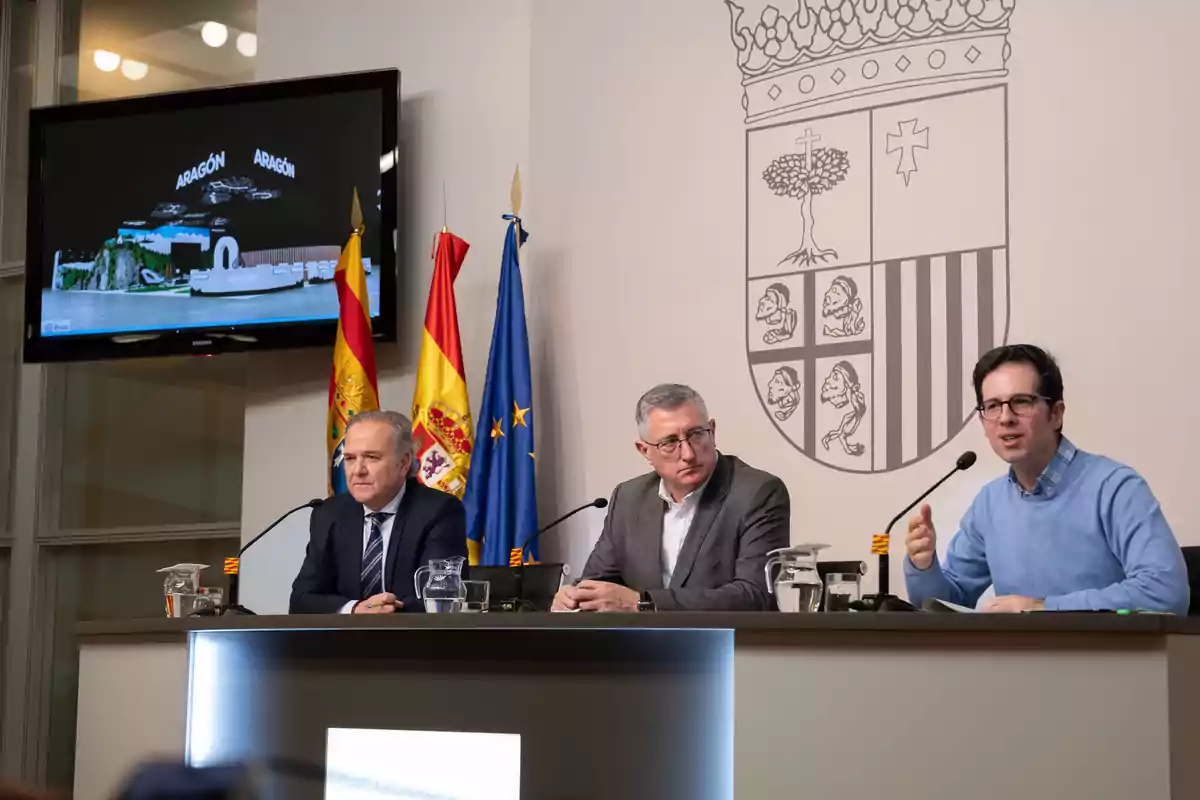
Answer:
[(1064, 530)]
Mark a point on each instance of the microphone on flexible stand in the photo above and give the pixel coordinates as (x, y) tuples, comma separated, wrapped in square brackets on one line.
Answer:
[(882, 600), (517, 557), (233, 567), (527, 587)]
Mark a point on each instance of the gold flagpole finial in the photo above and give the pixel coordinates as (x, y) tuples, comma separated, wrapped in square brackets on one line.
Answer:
[(515, 193), (356, 217)]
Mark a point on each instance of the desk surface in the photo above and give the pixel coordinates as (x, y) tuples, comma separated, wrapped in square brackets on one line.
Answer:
[(1056, 623)]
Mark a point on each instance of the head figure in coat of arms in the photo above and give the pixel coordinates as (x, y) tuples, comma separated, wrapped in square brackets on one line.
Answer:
[(774, 308), (783, 391), (843, 390), (843, 305)]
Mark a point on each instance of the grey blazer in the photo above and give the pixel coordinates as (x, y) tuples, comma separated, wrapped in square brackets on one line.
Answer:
[(743, 514)]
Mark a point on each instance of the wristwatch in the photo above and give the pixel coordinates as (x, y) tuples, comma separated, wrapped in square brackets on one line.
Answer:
[(646, 603)]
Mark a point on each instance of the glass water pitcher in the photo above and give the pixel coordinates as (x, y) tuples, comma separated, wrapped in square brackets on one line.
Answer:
[(440, 585), (793, 579)]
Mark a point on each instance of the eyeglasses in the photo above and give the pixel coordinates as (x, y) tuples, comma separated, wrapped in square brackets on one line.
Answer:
[(1022, 405), (697, 438)]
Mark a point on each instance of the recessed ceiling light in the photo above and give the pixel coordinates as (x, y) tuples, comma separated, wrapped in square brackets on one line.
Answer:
[(134, 70), (106, 60), (214, 34), (247, 44)]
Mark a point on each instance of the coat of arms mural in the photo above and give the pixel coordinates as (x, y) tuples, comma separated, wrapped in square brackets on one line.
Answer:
[(876, 217)]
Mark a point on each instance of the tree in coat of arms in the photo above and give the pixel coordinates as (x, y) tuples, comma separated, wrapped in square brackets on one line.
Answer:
[(803, 176)]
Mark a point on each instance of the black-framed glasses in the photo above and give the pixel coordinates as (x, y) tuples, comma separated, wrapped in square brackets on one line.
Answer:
[(696, 437), (1022, 405)]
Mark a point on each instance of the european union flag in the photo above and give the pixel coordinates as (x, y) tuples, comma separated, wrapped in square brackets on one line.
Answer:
[(500, 500)]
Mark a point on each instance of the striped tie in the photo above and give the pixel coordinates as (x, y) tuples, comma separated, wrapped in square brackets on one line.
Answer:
[(372, 561)]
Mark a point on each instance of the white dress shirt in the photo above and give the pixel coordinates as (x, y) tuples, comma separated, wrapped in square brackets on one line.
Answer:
[(385, 530), (677, 519)]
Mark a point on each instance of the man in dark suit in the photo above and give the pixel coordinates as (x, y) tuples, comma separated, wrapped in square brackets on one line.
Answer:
[(364, 546), (694, 534)]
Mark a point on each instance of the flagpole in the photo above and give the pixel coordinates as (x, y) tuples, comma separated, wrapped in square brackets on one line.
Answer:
[(356, 215), (514, 197)]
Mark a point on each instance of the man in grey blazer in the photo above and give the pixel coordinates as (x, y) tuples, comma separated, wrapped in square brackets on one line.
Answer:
[(691, 535)]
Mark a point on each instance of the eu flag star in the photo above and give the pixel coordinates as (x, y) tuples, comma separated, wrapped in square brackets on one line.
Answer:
[(519, 415), (497, 428)]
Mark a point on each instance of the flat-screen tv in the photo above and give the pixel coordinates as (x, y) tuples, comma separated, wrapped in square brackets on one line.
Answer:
[(208, 221)]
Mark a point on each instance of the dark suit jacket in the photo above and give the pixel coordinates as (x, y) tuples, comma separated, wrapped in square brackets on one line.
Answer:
[(428, 524), (743, 514)]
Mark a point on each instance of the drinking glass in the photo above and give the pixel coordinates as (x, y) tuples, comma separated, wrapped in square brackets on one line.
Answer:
[(476, 601), (841, 589), (181, 604)]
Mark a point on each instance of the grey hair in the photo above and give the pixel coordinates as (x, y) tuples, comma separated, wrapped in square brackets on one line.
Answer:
[(666, 396), (401, 432)]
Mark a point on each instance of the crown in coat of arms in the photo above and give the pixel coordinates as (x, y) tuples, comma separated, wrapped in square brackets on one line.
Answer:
[(829, 50)]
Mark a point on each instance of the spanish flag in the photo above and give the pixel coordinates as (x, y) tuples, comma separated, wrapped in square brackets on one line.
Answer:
[(441, 409), (353, 386)]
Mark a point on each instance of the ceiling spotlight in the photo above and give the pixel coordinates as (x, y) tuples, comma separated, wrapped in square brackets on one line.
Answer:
[(105, 60), (247, 44), (134, 70), (214, 34)]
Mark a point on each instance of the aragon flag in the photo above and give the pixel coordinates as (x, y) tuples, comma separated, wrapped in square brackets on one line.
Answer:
[(441, 409), (353, 385)]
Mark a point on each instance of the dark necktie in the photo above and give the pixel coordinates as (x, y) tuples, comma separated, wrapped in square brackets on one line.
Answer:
[(372, 560)]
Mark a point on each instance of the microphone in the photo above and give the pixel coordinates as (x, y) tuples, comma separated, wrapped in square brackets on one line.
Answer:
[(517, 558), (883, 600), (233, 565)]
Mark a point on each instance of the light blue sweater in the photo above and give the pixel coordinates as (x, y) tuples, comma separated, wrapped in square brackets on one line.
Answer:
[(1090, 536)]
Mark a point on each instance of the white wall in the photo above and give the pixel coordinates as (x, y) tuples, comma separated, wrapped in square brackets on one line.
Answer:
[(628, 116)]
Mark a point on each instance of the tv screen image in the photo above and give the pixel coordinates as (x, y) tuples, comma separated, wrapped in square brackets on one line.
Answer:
[(208, 220)]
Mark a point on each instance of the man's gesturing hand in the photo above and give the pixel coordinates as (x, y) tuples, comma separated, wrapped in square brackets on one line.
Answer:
[(922, 539)]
